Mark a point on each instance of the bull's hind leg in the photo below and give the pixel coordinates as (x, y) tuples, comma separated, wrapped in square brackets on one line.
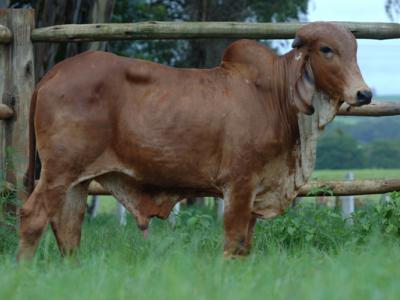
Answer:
[(67, 221), (35, 213), (33, 220)]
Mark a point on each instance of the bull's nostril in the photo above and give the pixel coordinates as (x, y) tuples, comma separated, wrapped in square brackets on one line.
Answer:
[(364, 97)]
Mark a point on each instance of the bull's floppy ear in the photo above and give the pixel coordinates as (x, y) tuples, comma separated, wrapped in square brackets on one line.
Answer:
[(303, 82)]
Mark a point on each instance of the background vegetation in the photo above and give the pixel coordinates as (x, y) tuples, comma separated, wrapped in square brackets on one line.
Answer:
[(361, 142), (196, 53)]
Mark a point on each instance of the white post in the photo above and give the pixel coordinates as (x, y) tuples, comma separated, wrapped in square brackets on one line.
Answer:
[(92, 207), (386, 197), (121, 214), (348, 202), (220, 207), (174, 213)]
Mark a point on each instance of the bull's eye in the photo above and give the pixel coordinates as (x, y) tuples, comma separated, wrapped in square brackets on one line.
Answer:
[(328, 52)]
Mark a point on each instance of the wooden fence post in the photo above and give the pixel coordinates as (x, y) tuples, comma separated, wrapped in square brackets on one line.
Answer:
[(17, 84)]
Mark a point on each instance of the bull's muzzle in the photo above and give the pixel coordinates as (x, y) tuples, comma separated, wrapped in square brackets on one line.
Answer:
[(364, 97)]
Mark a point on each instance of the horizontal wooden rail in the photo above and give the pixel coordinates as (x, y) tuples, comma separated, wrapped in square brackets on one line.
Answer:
[(5, 35), (375, 109), (191, 30), (354, 187), (339, 188), (6, 112)]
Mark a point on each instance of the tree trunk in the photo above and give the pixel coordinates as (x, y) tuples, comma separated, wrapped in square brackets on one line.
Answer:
[(53, 12), (208, 53)]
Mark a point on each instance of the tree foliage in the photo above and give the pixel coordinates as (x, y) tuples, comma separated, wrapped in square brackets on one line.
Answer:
[(392, 8), (339, 150), (54, 12), (196, 53), (383, 154)]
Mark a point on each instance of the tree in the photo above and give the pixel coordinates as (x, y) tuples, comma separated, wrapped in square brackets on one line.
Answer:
[(53, 12), (161, 51), (197, 53), (384, 154), (392, 8)]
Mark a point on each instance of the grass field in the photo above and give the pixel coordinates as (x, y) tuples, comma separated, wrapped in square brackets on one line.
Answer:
[(186, 263), (309, 253)]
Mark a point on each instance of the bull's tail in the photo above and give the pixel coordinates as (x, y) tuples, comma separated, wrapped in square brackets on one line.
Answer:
[(29, 180)]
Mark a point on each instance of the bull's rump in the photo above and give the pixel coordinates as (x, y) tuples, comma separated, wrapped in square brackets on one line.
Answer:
[(166, 126)]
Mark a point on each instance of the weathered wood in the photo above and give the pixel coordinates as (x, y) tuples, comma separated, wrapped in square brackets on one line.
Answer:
[(16, 87), (339, 187), (191, 30), (355, 187), (5, 35), (375, 109), (6, 112)]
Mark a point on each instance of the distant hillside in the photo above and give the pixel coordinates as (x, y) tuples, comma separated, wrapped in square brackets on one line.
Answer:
[(368, 129), (394, 98)]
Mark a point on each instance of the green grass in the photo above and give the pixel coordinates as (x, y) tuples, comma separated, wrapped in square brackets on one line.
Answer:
[(307, 254)]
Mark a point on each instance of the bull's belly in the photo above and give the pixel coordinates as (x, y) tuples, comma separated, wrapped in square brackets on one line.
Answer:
[(154, 177)]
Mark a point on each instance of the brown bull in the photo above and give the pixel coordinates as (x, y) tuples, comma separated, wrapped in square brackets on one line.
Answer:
[(245, 130)]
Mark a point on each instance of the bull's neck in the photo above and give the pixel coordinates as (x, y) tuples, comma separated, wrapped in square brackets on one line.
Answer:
[(278, 84), (305, 129)]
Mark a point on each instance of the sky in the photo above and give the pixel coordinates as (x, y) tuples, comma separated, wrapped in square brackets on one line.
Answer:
[(379, 61)]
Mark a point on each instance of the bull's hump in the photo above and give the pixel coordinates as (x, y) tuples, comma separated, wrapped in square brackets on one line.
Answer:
[(248, 52)]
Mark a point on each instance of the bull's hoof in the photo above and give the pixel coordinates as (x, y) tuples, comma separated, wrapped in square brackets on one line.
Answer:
[(239, 254)]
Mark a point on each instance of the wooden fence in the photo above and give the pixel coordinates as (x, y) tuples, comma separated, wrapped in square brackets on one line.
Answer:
[(17, 35)]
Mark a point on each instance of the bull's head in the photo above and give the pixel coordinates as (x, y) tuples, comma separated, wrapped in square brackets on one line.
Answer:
[(326, 55)]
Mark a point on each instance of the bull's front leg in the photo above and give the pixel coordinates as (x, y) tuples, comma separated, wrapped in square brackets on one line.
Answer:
[(238, 221), (250, 232)]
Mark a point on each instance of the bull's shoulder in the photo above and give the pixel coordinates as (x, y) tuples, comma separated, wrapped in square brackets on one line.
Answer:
[(248, 52)]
